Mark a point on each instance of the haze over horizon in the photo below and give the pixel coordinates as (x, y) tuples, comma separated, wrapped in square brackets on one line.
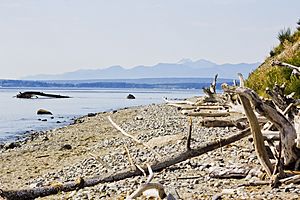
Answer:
[(58, 36)]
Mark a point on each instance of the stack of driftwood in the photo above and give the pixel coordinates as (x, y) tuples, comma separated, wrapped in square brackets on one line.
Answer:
[(273, 124)]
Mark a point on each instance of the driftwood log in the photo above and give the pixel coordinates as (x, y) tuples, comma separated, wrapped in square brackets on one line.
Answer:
[(211, 91), (206, 114), (286, 129), (258, 139), (296, 70), (31, 94), (110, 177)]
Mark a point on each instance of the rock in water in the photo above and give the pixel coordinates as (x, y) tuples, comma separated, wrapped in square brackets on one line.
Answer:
[(43, 112), (130, 96)]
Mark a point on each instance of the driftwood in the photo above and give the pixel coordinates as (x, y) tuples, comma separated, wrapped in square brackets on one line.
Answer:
[(296, 70), (242, 80), (223, 123), (211, 91), (283, 102), (286, 129), (158, 192), (206, 114), (31, 94), (158, 166), (297, 128), (178, 101), (222, 173), (132, 137), (189, 136), (257, 136), (181, 106)]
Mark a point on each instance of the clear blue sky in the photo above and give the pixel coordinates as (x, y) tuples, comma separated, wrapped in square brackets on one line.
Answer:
[(55, 36)]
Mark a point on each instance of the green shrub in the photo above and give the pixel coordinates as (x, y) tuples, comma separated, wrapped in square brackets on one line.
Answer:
[(284, 34)]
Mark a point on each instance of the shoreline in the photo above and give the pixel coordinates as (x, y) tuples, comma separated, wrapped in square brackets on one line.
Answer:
[(93, 147)]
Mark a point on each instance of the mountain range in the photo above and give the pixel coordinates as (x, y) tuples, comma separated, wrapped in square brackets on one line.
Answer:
[(184, 68)]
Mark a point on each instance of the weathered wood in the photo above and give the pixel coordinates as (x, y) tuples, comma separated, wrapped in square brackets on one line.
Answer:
[(217, 123), (242, 80), (210, 107), (207, 114), (211, 91), (182, 106), (297, 128), (189, 137), (30, 94), (158, 192), (111, 177), (286, 129), (257, 136), (292, 179), (221, 172), (179, 101), (132, 137), (296, 70)]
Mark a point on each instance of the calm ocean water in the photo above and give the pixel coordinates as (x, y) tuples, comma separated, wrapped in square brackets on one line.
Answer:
[(18, 116)]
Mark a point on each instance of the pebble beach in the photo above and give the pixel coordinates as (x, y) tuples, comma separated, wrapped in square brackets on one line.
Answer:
[(91, 147)]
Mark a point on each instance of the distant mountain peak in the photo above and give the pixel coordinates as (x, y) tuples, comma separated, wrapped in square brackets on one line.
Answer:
[(205, 62), (185, 61)]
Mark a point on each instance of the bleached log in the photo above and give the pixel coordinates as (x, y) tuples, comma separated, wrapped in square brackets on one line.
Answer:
[(207, 114), (297, 128), (242, 80), (182, 106), (257, 136), (207, 107), (179, 101), (292, 179), (296, 70)]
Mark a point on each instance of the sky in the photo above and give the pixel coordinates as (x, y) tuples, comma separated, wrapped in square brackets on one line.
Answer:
[(57, 36)]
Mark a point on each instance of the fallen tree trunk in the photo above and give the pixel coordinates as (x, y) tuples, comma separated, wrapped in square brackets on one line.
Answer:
[(25, 194)]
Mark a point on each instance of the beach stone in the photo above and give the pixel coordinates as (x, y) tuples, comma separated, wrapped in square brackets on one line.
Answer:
[(91, 114), (130, 96), (66, 147), (44, 112), (11, 145), (45, 138), (139, 117), (228, 191)]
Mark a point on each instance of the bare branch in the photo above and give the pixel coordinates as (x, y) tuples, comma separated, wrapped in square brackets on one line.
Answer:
[(188, 141), (132, 137)]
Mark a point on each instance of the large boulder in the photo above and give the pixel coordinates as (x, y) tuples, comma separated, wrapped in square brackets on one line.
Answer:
[(43, 112), (130, 96)]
